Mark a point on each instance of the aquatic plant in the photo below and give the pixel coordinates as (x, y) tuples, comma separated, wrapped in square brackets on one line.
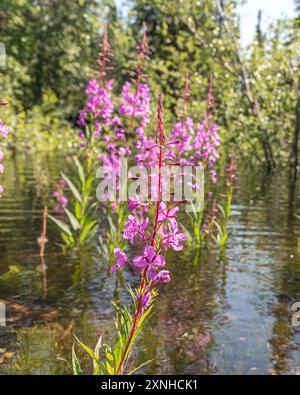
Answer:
[(198, 144), (149, 264), (3, 133), (222, 226), (81, 225), (111, 126)]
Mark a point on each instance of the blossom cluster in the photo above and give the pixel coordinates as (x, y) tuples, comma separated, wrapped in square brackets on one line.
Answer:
[(119, 122), (165, 234), (61, 199), (198, 144), (112, 124), (168, 236), (99, 105)]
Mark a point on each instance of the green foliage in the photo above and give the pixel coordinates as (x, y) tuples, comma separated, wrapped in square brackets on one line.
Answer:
[(113, 235), (51, 50), (107, 360), (196, 236), (53, 43), (222, 233), (186, 38), (256, 92), (39, 129), (82, 225)]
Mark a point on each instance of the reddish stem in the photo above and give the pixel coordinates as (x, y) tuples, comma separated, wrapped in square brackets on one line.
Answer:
[(104, 56), (44, 231), (139, 73)]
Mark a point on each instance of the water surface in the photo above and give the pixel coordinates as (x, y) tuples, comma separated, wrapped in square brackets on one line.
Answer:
[(220, 314)]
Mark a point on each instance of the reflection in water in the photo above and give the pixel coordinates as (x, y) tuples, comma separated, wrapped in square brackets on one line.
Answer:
[(220, 314)]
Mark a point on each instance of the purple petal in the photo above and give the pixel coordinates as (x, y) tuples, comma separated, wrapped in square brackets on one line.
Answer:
[(121, 256), (145, 223), (159, 261), (139, 262), (152, 273), (150, 253)]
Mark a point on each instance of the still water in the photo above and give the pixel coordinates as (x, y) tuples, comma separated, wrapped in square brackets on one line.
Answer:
[(220, 314)]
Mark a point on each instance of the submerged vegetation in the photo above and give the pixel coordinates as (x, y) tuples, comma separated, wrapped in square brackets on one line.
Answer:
[(150, 146)]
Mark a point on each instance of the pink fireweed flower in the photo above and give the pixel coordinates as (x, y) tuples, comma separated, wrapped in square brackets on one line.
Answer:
[(61, 199), (133, 228), (136, 105), (81, 118), (134, 203), (1, 189), (173, 237), (149, 259), (206, 142), (92, 88), (161, 277), (99, 104), (144, 298), (213, 175), (183, 132), (3, 129), (121, 260), (166, 213), (148, 155)]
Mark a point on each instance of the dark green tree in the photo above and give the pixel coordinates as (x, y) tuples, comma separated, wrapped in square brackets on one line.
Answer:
[(50, 45)]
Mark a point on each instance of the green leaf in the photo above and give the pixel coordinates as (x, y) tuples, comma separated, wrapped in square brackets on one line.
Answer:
[(74, 190), (221, 209), (74, 222), (140, 366), (89, 351), (64, 227), (89, 184), (75, 363), (80, 170), (220, 231), (86, 230), (78, 212), (69, 240), (109, 368), (96, 367)]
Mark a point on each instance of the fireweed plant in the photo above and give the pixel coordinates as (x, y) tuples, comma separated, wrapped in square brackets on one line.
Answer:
[(222, 227), (155, 231), (3, 134), (111, 127), (198, 143), (82, 226)]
